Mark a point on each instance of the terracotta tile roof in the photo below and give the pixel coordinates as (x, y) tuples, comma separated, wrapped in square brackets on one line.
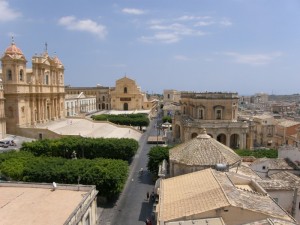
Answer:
[(190, 194), (287, 123), (206, 190), (245, 170), (203, 150), (269, 185), (278, 163), (292, 179)]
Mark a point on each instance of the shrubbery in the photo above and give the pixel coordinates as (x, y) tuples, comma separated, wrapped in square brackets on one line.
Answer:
[(90, 148), (138, 120), (167, 119), (108, 175)]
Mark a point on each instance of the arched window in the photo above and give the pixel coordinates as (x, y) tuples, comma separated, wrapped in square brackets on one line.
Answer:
[(9, 74), (103, 98), (168, 96), (125, 89), (21, 75)]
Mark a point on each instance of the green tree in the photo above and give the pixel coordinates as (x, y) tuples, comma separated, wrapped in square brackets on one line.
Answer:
[(155, 157), (167, 119)]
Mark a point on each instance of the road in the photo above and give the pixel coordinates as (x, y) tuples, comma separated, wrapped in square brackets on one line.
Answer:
[(132, 207)]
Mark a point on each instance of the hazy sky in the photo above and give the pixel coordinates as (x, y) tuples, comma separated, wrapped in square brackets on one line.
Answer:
[(243, 46)]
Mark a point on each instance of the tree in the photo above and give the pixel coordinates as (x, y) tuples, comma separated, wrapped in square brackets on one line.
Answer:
[(155, 157)]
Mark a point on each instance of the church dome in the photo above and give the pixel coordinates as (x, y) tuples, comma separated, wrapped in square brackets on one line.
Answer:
[(13, 50), (203, 151)]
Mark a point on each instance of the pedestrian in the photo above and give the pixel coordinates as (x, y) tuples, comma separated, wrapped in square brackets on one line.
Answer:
[(148, 195), (148, 222), (153, 196)]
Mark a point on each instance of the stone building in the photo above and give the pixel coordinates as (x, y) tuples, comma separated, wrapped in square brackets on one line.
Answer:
[(286, 132), (128, 96), (32, 96), (214, 111), (263, 131), (201, 153), (102, 95), (80, 105)]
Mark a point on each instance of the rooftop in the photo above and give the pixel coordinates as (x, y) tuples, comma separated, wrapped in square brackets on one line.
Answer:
[(206, 190), (287, 123), (293, 180), (203, 150), (276, 164), (30, 204)]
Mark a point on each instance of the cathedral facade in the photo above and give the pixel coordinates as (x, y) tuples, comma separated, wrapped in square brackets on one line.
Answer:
[(32, 96), (128, 96)]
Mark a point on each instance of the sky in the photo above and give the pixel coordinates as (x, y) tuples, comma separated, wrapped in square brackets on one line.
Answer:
[(244, 46)]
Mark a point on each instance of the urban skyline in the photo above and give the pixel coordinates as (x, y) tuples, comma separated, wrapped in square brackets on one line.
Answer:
[(235, 45)]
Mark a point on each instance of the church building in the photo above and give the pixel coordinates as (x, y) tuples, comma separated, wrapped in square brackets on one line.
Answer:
[(32, 96), (128, 96)]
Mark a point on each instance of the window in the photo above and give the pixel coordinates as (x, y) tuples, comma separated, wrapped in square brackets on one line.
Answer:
[(201, 114), (47, 79), (218, 114), (125, 89), (103, 98), (168, 96), (9, 74), (21, 75)]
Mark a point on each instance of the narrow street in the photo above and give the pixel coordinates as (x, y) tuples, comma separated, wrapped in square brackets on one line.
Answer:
[(132, 207)]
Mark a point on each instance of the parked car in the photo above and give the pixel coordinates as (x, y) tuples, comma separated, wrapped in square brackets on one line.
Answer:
[(4, 144)]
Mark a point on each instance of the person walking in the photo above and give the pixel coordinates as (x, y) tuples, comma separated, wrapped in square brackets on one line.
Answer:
[(148, 195)]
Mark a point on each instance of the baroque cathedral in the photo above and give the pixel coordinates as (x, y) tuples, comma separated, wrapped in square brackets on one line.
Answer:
[(29, 96)]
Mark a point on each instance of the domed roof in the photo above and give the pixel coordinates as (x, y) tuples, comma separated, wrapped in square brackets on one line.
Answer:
[(13, 49), (203, 151), (57, 60)]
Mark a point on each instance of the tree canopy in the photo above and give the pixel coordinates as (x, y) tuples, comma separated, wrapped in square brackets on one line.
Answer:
[(108, 175), (155, 157), (90, 148)]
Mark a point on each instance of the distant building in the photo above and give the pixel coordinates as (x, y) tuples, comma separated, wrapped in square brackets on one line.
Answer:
[(36, 204), (263, 131), (265, 167), (171, 96), (77, 105), (286, 132), (32, 96), (128, 96), (102, 95), (214, 111)]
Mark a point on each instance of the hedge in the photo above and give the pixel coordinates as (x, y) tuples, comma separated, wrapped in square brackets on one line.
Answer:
[(90, 148)]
